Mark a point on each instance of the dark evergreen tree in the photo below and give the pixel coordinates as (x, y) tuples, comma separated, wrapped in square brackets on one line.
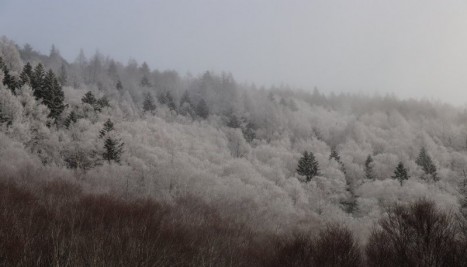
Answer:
[(26, 75), (335, 155), (52, 95), (249, 132), (400, 173), (9, 80), (145, 82), (148, 103), (308, 166), (102, 103), (162, 98), (89, 98), (170, 101), (369, 172), (108, 127), (233, 122), (72, 118), (424, 161), (202, 109), (63, 75), (119, 86), (37, 81), (113, 149)]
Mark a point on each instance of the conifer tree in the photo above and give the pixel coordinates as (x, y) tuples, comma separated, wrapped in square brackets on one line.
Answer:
[(335, 155), (89, 98), (52, 95), (145, 82), (108, 127), (369, 172), (233, 122), (308, 166), (249, 132), (113, 149), (424, 161), (119, 85), (170, 101), (26, 75), (202, 109), (37, 81), (9, 80), (101, 103), (72, 118), (400, 173), (148, 103)]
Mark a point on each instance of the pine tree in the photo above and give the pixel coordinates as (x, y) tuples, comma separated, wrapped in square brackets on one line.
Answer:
[(119, 86), (308, 166), (113, 149), (202, 109), (424, 161), (72, 118), (63, 76), (89, 98), (249, 132), (37, 81), (148, 103), (101, 103), (145, 82), (108, 127), (26, 75), (52, 95), (9, 80), (233, 122), (400, 173), (170, 101), (369, 172), (335, 155)]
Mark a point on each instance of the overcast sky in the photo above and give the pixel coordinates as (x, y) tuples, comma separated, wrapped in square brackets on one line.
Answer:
[(411, 48)]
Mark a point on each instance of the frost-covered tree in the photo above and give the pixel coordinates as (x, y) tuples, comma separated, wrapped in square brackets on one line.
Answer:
[(308, 166), (425, 162), (369, 172), (400, 173), (186, 106)]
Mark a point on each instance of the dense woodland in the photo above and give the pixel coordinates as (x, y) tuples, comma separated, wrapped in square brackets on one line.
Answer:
[(164, 169)]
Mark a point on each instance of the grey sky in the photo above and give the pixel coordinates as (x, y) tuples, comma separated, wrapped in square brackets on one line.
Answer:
[(412, 48)]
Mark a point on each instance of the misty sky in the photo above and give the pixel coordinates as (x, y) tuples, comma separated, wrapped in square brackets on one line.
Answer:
[(412, 48)]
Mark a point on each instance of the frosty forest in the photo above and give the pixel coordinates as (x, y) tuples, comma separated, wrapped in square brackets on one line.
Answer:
[(116, 164)]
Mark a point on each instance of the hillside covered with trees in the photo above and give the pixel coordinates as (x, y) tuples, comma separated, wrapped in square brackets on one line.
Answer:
[(194, 170)]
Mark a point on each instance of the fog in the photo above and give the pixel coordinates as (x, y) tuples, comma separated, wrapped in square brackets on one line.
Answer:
[(415, 49)]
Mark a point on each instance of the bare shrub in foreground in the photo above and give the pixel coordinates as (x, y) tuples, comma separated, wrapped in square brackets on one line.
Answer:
[(415, 235)]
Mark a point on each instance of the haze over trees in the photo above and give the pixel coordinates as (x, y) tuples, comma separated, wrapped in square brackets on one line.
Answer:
[(275, 163)]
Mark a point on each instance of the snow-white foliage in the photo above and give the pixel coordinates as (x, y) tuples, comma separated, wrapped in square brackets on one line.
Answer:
[(167, 155)]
